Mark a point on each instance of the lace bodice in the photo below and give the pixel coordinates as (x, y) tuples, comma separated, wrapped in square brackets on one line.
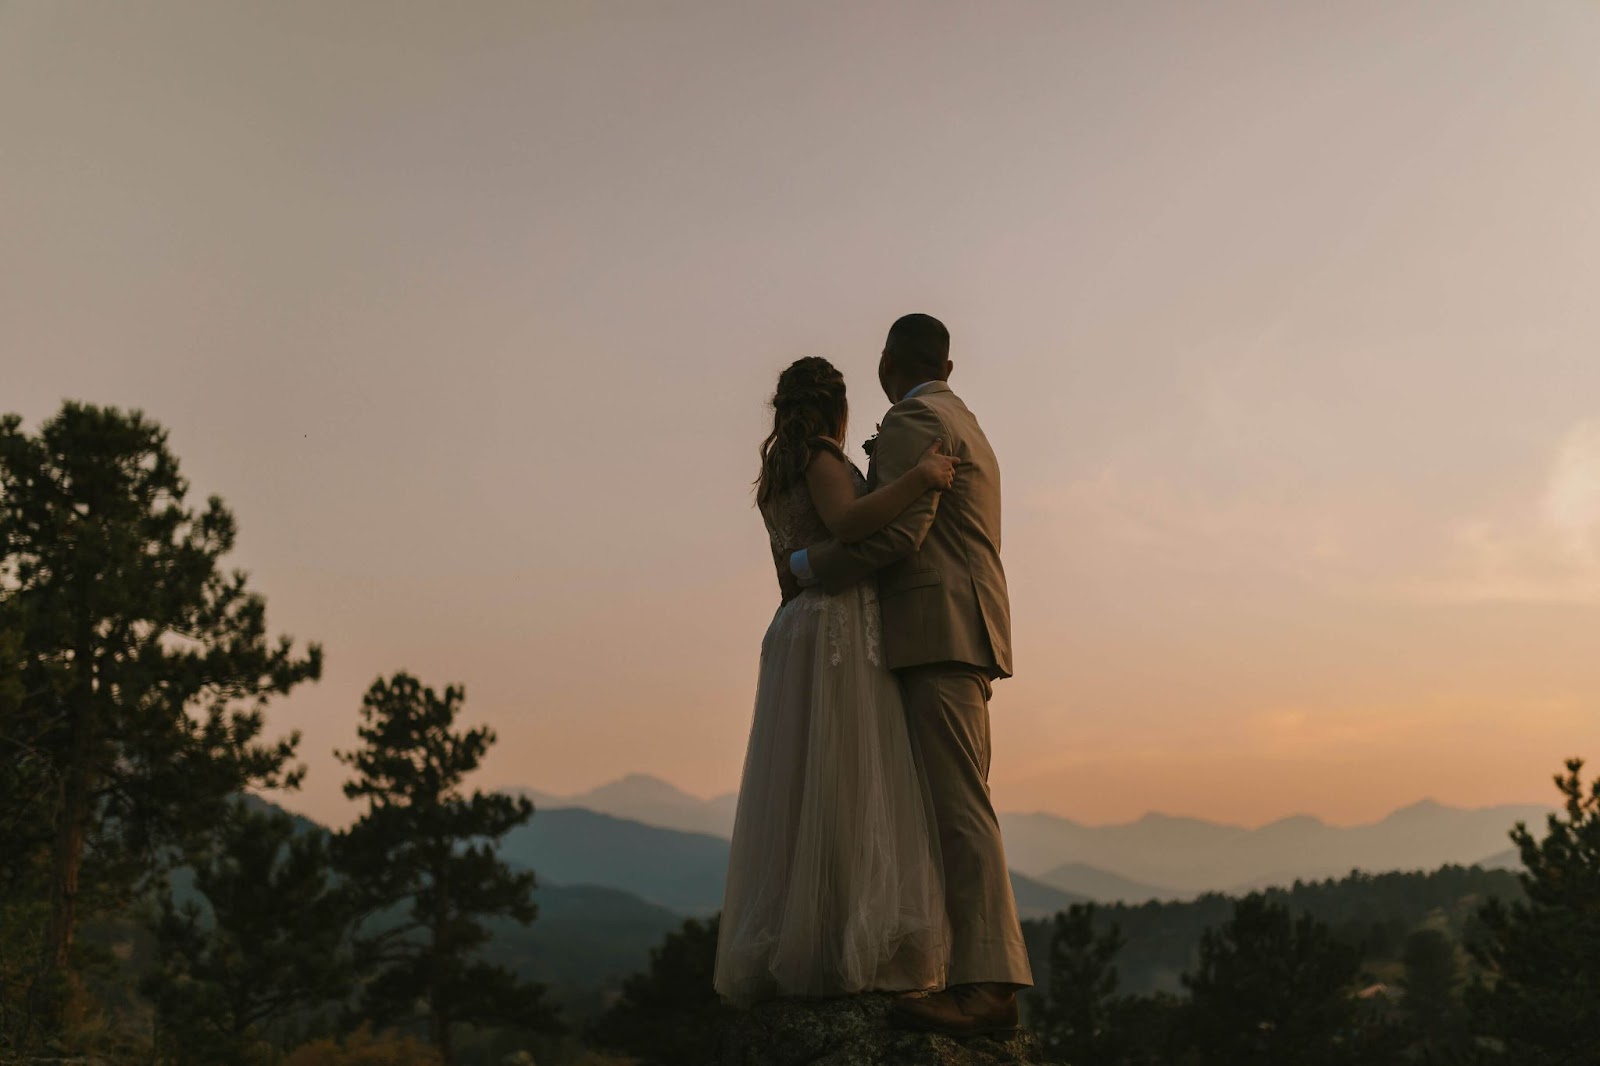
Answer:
[(793, 522)]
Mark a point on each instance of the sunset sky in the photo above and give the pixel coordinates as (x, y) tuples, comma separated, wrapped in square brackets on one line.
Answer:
[(1283, 318)]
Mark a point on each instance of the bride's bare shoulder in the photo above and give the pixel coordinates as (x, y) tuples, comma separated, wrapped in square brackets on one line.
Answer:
[(828, 446)]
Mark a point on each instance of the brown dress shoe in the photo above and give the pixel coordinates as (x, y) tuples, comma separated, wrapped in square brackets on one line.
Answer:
[(961, 1010)]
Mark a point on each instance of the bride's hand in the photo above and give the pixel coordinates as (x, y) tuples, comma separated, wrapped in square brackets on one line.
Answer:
[(936, 469)]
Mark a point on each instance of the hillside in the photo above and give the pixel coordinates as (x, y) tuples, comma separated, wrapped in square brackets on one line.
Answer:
[(585, 941), (673, 869), (1373, 911), (1035, 899), (1103, 886)]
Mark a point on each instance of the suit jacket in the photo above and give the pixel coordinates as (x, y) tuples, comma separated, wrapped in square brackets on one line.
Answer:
[(941, 587)]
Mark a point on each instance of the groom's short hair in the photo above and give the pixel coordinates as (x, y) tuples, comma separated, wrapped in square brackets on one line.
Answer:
[(918, 342)]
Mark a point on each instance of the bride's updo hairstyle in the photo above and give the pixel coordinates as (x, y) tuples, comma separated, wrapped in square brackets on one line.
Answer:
[(809, 404)]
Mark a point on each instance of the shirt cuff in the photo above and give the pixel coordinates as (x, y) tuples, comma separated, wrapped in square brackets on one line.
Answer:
[(800, 567)]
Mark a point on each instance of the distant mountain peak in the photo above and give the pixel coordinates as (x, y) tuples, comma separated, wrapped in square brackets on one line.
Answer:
[(1423, 808), (648, 799), (642, 788), (1295, 822), (643, 779)]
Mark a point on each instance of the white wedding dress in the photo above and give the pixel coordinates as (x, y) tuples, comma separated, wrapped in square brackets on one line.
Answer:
[(833, 880)]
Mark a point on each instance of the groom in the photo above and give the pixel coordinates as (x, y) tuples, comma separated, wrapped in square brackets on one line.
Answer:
[(947, 634)]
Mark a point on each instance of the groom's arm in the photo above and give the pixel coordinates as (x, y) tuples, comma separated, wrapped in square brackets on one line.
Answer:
[(907, 430)]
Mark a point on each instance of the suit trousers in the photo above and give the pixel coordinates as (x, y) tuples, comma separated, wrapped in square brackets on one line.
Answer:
[(947, 712)]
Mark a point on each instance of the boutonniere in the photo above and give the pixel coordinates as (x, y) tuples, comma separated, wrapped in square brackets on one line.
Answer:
[(872, 441)]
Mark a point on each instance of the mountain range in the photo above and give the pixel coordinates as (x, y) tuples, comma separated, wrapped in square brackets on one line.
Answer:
[(669, 868), (1178, 858), (1158, 856)]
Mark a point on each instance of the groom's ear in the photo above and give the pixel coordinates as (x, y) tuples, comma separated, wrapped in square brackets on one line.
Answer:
[(949, 365)]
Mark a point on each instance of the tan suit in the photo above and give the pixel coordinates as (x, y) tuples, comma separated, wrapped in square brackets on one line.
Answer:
[(940, 582), (947, 633)]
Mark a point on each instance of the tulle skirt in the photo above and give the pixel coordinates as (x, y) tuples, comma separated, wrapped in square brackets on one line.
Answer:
[(833, 880)]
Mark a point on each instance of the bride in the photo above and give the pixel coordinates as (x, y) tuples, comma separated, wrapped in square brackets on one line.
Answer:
[(833, 881)]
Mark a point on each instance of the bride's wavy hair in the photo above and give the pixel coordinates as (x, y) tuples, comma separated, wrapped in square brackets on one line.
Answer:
[(809, 403)]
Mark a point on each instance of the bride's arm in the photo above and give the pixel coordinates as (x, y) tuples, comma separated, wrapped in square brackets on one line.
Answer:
[(850, 517)]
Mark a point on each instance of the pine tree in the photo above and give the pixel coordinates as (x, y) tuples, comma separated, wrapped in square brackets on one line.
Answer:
[(424, 852), (1271, 988), (142, 669), (670, 1014), (270, 941), (1073, 1022), (1541, 1000), (1432, 1006), (24, 841)]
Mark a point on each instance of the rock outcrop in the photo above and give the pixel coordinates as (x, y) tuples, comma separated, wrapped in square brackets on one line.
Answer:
[(855, 1031)]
